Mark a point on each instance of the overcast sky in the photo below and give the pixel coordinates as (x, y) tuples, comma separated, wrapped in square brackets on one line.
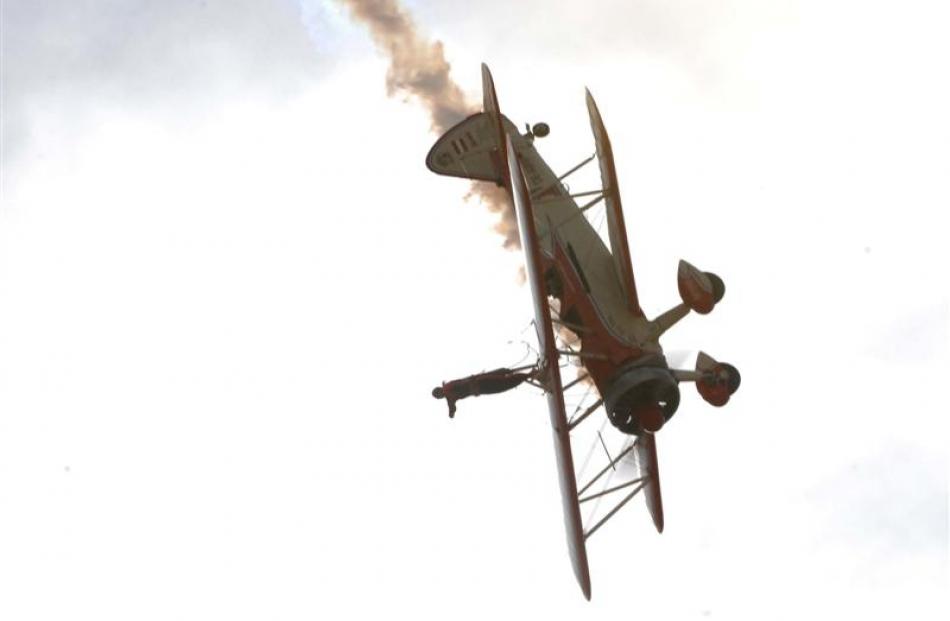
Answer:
[(228, 284)]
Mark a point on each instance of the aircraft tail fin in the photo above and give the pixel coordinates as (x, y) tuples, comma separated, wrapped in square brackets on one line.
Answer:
[(468, 150), (475, 148)]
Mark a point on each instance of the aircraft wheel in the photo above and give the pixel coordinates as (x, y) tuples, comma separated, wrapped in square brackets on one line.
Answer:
[(719, 287), (734, 379)]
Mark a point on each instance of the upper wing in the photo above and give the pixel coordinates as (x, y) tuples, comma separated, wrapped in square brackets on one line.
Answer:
[(646, 457), (615, 224), (552, 374)]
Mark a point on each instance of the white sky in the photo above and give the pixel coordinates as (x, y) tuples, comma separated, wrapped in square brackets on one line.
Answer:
[(228, 284)]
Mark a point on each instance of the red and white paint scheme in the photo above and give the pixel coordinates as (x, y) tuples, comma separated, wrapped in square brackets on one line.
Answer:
[(596, 300)]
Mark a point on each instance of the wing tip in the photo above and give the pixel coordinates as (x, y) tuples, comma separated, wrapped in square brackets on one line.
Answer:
[(584, 582), (592, 108)]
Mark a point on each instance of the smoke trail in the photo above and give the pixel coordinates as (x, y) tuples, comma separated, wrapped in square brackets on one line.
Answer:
[(417, 68)]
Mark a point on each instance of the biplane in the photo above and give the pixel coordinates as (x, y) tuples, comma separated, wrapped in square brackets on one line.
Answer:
[(582, 287)]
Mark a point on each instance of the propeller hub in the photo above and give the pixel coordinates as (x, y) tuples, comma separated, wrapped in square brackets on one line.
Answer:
[(641, 399)]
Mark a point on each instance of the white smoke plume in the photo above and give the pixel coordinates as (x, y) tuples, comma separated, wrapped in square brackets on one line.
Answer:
[(418, 69)]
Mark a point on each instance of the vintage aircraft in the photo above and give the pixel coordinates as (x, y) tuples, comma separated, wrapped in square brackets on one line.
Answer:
[(596, 300)]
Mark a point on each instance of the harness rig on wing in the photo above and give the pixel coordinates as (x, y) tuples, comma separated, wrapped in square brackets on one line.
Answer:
[(594, 285)]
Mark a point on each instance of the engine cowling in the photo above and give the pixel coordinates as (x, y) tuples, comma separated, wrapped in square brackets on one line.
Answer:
[(641, 398)]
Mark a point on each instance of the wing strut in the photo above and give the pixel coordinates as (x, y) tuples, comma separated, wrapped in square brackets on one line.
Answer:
[(648, 482), (619, 506)]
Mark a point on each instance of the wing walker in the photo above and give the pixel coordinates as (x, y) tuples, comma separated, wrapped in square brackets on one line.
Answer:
[(595, 299)]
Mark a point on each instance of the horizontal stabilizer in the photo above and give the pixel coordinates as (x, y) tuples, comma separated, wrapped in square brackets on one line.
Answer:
[(469, 150)]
